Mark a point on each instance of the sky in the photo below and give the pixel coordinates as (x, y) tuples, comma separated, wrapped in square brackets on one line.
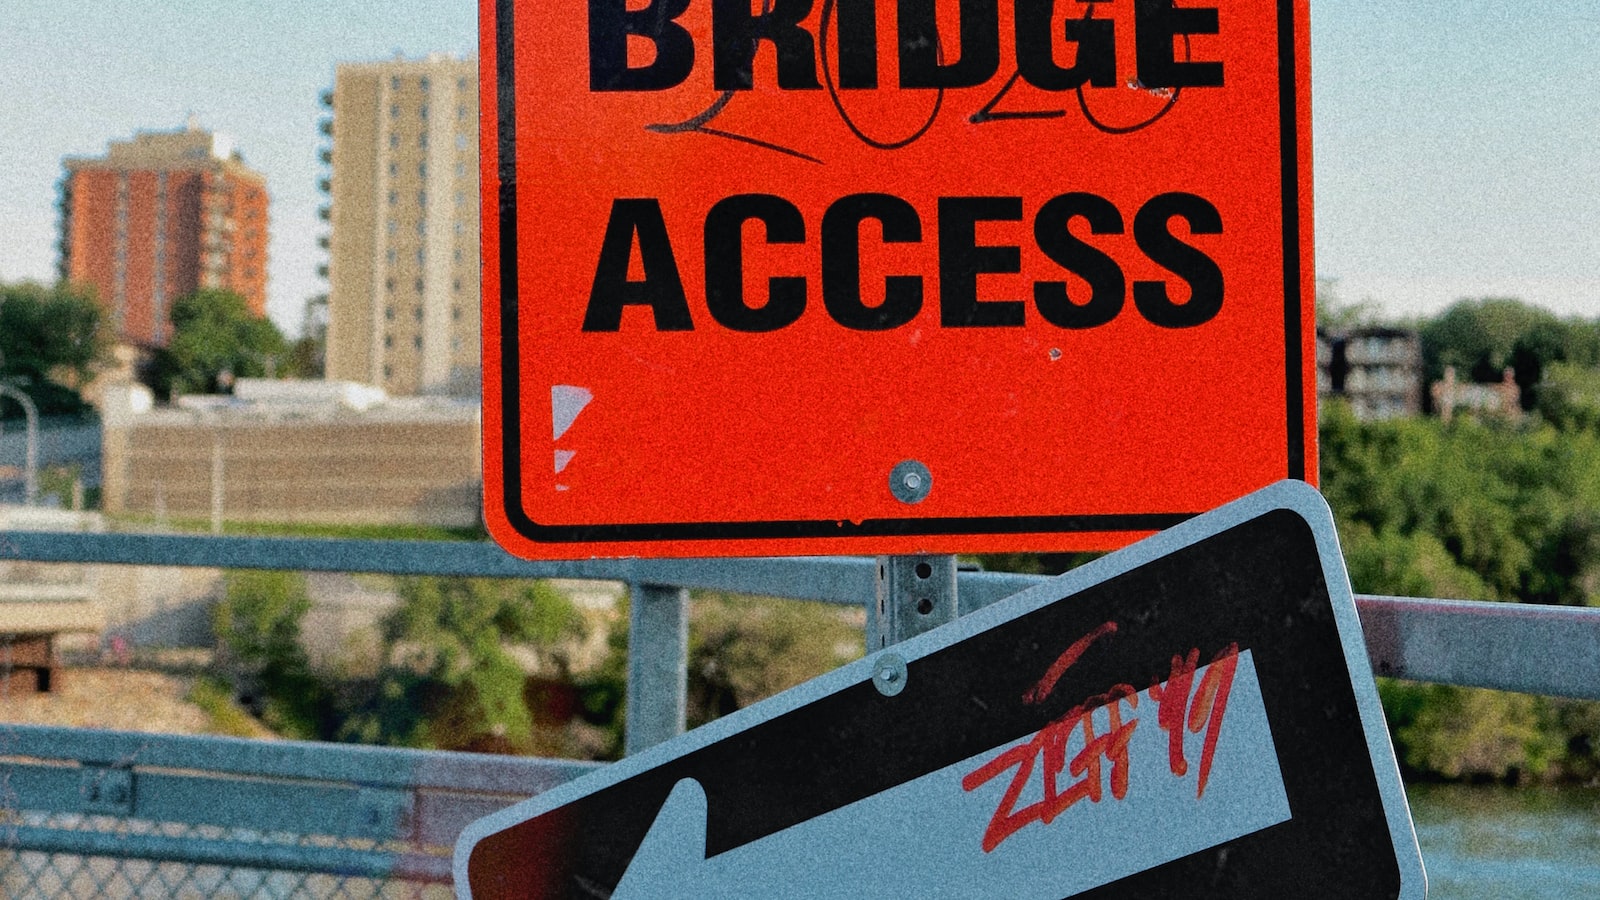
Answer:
[(1456, 150)]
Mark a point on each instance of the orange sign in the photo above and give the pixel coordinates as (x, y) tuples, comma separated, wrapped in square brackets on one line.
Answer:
[(890, 276)]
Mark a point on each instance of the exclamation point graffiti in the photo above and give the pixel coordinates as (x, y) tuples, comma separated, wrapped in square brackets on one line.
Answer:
[(566, 402)]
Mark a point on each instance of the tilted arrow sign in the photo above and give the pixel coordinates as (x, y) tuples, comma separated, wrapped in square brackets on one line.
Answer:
[(1244, 795), (1192, 716)]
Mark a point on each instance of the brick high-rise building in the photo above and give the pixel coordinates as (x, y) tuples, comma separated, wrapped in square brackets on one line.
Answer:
[(403, 206), (159, 217)]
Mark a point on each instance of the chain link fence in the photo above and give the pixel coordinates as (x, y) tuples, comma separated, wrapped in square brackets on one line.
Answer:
[(117, 815)]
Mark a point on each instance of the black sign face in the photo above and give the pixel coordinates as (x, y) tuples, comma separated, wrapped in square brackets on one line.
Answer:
[(1192, 716)]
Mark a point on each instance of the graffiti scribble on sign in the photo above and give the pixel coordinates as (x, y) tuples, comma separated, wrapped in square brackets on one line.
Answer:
[(1180, 707)]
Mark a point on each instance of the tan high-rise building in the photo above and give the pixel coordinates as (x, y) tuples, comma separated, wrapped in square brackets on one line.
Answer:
[(403, 205), (159, 217)]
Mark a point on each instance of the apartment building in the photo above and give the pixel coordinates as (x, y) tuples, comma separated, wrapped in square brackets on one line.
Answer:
[(1376, 368), (161, 216), (403, 215)]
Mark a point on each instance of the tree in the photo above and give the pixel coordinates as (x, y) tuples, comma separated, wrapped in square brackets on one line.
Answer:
[(257, 624), (308, 354), (745, 649), (215, 339), (451, 681), (1484, 337), (51, 338)]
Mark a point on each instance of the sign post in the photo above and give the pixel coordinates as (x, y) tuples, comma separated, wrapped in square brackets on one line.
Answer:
[(1192, 716), (845, 276)]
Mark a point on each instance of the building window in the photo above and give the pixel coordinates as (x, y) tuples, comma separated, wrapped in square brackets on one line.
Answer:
[(455, 313), (423, 112), (459, 228), (457, 253), (422, 198), (391, 256), (394, 169), (422, 140), (416, 313), (394, 110), (420, 256), (388, 311), (424, 83), (461, 142), (393, 196), (419, 290), (388, 372), (388, 285), (388, 342), (456, 286), (422, 170), (393, 226), (394, 82), (416, 342), (394, 141)]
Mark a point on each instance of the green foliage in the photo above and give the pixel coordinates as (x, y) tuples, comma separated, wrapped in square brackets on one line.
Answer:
[(744, 649), (257, 624), (1482, 338), (1406, 565), (451, 681), (1469, 733), (51, 338), (215, 698), (741, 650), (258, 619), (1471, 509), (306, 358), (1569, 396), (215, 338), (454, 671)]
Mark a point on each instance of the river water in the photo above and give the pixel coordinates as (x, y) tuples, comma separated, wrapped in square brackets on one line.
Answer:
[(1494, 843)]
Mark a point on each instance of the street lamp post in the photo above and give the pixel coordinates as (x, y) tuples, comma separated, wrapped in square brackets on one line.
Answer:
[(30, 468)]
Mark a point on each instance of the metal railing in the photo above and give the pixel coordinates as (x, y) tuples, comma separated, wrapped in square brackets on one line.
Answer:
[(103, 814), (122, 815)]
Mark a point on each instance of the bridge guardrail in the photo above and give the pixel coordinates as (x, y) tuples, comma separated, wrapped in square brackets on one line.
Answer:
[(113, 814)]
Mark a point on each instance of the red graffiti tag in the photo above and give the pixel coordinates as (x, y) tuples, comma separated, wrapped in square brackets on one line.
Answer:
[(1175, 713), (1207, 707)]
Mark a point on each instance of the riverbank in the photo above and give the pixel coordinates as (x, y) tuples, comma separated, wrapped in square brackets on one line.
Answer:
[(115, 698)]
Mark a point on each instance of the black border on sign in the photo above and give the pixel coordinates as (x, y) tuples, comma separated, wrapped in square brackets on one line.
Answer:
[(510, 354)]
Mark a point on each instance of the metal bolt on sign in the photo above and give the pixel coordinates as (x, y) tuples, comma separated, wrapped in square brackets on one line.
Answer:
[(910, 481), (889, 674)]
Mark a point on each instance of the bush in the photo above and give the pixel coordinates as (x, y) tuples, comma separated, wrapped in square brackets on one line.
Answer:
[(257, 625)]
